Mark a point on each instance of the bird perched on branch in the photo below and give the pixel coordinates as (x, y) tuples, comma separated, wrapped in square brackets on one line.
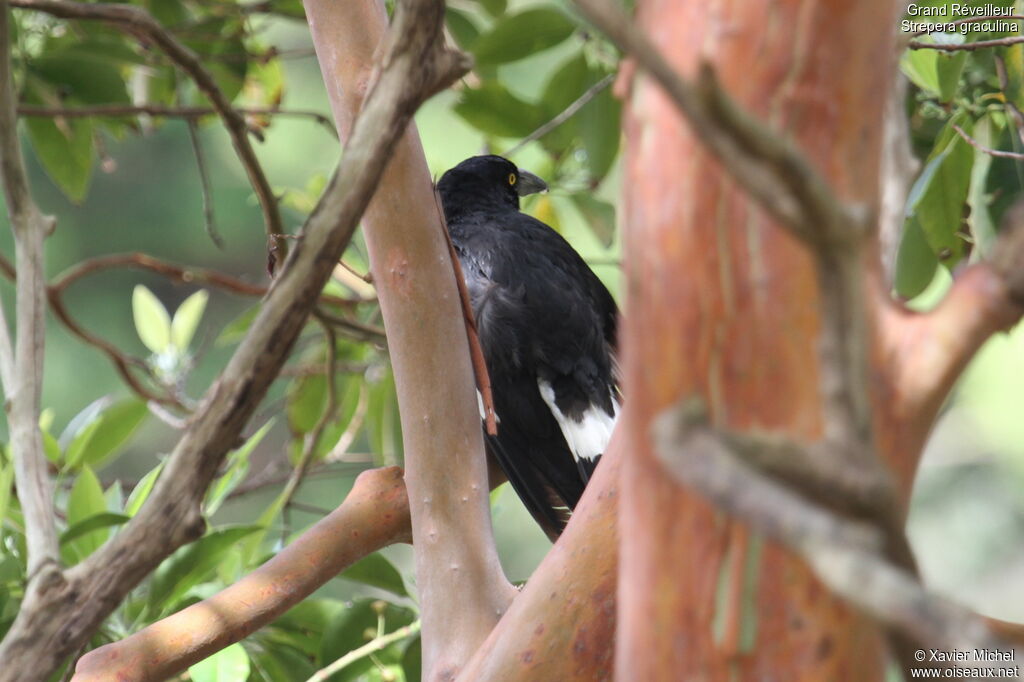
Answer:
[(547, 327)]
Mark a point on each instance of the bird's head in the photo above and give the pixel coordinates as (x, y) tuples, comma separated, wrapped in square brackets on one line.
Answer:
[(486, 181)]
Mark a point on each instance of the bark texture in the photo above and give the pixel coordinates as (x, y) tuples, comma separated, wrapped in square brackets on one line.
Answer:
[(723, 304)]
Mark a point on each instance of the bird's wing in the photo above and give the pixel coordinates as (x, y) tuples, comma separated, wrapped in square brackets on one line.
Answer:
[(532, 452), (571, 347)]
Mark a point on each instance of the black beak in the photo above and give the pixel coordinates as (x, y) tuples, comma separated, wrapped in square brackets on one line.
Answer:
[(529, 183)]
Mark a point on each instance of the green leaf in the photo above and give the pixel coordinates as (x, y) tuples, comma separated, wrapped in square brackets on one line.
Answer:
[(186, 319), (600, 217), (85, 501), (106, 434), (80, 75), (238, 467), (142, 490), (230, 664), (304, 624), (935, 72), (982, 226), (274, 663), (77, 447), (461, 26), (520, 35), (307, 399), (97, 522), (600, 122), (376, 571), (382, 423), (949, 66), (236, 329), (65, 151), (493, 7), (191, 564), (51, 448), (494, 110), (152, 322), (349, 631), (915, 262), (1013, 61), (567, 83), (938, 198), (412, 660), (6, 483)]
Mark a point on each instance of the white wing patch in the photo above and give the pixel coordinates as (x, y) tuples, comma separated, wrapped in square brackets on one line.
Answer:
[(588, 437)]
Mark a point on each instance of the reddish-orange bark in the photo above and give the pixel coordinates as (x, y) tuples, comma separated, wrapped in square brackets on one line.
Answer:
[(562, 625), (724, 304)]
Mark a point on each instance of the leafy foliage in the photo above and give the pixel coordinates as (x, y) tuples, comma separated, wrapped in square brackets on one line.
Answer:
[(961, 191), (536, 64)]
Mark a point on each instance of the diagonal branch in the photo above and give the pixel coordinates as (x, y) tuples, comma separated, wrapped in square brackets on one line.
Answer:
[(158, 111), (924, 353), (53, 625), (375, 514), (138, 22), (845, 554), (21, 367)]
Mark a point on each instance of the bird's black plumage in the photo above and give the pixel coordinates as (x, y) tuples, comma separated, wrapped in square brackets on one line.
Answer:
[(547, 326)]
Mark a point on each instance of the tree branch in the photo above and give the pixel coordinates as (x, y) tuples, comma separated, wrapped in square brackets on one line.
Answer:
[(462, 588), (562, 625), (140, 23), (157, 111), (370, 647), (567, 113), (375, 514), (845, 555), (924, 353), (52, 626), (22, 365)]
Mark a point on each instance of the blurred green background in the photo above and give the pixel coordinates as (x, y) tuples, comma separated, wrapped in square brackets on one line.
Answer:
[(967, 519)]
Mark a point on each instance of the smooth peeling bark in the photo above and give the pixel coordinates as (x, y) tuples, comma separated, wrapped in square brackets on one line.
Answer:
[(724, 304), (562, 625), (463, 590)]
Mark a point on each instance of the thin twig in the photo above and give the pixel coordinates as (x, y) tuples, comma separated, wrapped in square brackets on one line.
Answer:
[(22, 364), (340, 450), (370, 647), (157, 111), (567, 113), (125, 363), (138, 22), (204, 183), (998, 153), (312, 439), (965, 47), (971, 20)]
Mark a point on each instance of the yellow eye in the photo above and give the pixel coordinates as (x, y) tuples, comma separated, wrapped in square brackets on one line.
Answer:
[(511, 178)]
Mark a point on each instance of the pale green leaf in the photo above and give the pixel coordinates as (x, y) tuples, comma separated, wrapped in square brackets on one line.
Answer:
[(152, 322), (230, 664), (186, 319)]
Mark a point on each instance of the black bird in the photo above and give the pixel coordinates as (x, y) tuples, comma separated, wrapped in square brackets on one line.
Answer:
[(547, 326)]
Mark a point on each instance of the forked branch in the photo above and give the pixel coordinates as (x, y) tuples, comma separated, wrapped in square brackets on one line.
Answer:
[(60, 620)]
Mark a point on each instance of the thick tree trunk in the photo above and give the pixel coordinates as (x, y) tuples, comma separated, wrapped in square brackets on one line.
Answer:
[(723, 304)]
